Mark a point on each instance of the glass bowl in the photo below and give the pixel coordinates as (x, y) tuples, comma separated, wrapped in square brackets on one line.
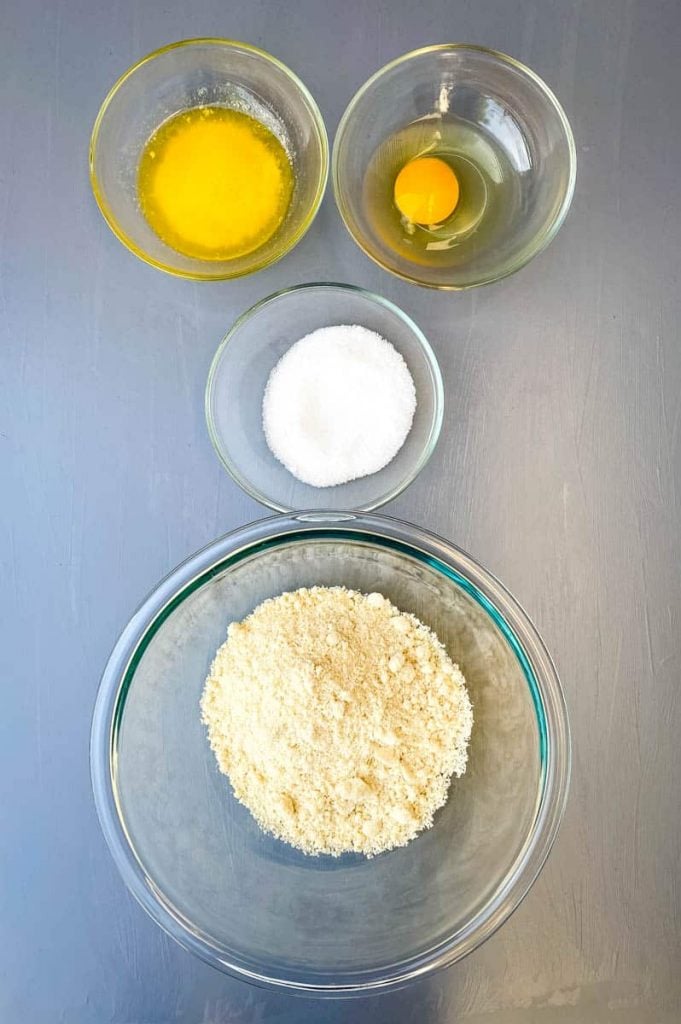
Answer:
[(518, 122), (247, 903), (242, 365), (193, 73)]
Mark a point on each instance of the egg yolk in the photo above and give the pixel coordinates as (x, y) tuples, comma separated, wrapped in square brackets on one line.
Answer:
[(426, 190)]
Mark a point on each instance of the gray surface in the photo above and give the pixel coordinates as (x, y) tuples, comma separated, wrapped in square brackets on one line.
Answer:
[(559, 468)]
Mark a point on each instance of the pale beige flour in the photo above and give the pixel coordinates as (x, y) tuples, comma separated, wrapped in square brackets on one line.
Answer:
[(338, 719)]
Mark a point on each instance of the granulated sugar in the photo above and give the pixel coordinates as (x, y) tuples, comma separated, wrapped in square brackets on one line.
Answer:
[(338, 719), (338, 405)]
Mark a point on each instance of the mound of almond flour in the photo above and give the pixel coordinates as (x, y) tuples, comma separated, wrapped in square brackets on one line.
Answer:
[(339, 720)]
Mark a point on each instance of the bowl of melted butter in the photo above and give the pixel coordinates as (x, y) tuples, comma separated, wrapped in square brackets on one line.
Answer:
[(209, 159)]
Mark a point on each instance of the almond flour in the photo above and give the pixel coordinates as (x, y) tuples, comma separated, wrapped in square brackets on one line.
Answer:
[(339, 720)]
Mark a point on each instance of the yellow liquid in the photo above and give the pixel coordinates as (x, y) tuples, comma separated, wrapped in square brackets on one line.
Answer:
[(214, 183)]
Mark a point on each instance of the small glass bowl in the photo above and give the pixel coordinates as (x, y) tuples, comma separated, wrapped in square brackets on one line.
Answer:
[(508, 104), (255, 907), (193, 73), (253, 347)]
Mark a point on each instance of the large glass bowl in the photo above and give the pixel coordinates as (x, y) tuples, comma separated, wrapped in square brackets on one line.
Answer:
[(506, 103), (251, 905), (193, 73), (250, 351)]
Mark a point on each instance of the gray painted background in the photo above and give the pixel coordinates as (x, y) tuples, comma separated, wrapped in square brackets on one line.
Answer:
[(559, 468)]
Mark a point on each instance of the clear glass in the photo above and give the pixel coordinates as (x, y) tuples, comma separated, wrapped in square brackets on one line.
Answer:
[(198, 72), (242, 365), (510, 105), (249, 904)]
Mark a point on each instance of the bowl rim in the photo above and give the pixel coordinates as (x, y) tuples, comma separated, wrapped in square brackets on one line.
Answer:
[(518, 630), (435, 377), (318, 120), (544, 240)]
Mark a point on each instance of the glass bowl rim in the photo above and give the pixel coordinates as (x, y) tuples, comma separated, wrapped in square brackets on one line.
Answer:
[(507, 614), (542, 241), (422, 341), (98, 192)]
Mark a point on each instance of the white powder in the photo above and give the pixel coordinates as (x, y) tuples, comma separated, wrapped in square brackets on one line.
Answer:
[(338, 405), (339, 720)]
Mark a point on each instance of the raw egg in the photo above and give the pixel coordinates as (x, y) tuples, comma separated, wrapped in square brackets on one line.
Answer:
[(426, 190)]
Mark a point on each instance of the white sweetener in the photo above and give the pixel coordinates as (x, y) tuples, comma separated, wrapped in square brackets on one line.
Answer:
[(338, 405)]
